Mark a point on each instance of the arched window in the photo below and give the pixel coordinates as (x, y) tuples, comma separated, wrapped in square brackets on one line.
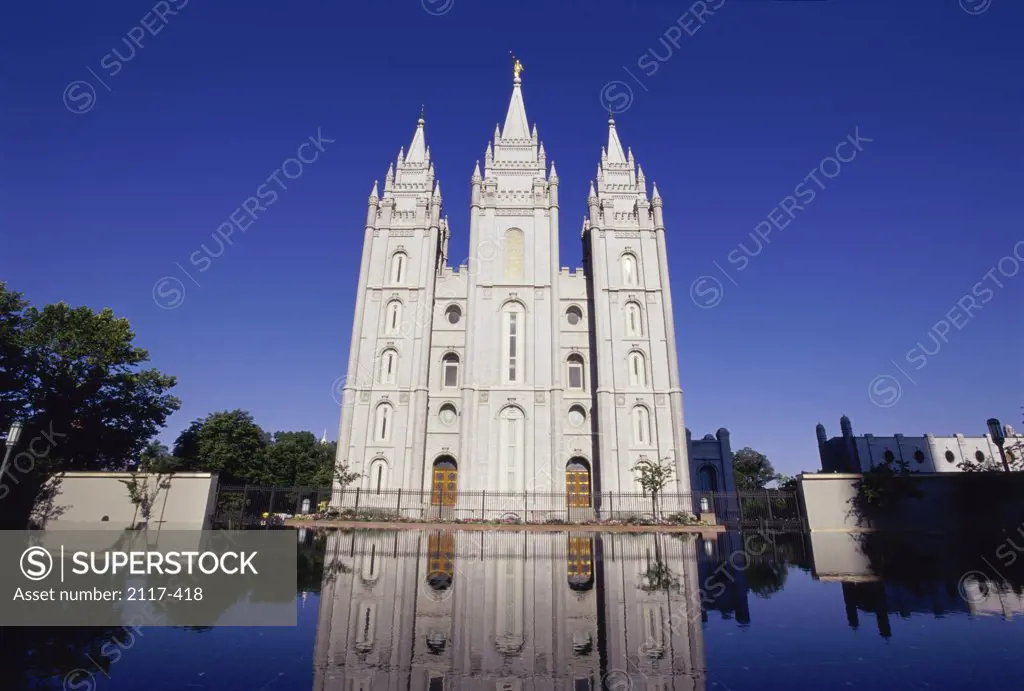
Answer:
[(393, 317), (453, 314), (378, 475), (515, 254), (450, 371), (637, 369), (512, 448), (513, 326), (398, 263), (382, 422), (634, 322), (641, 426), (388, 367), (629, 270), (574, 315), (576, 372)]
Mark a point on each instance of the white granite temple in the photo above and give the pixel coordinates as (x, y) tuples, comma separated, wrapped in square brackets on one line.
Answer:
[(511, 372)]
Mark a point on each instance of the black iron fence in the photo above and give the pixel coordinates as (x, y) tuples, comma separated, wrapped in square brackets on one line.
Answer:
[(251, 505)]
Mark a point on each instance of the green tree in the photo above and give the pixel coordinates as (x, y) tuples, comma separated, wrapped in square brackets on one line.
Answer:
[(298, 459), (653, 476), (76, 380), (752, 470), (226, 442)]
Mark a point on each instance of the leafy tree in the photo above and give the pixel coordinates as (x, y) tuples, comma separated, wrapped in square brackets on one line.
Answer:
[(227, 442), (76, 380), (752, 470), (298, 459), (653, 476)]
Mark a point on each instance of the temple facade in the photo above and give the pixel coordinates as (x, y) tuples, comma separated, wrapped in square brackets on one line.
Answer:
[(511, 373)]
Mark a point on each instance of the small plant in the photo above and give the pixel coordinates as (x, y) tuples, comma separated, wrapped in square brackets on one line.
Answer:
[(680, 518), (142, 495), (653, 476)]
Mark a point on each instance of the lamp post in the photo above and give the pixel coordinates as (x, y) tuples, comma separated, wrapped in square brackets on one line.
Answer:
[(995, 429), (13, 435)]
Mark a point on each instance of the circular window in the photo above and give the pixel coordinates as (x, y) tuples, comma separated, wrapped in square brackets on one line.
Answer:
[(577, 416), (979, 456), (888, 456), (950, 457), (574, 316), (453, 314), (919, 456), (447, 414)]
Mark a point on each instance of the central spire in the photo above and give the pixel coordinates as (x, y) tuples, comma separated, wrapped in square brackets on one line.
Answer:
[(516, 125)]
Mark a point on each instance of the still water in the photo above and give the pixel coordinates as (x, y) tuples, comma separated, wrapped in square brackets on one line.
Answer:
[(517, 611)]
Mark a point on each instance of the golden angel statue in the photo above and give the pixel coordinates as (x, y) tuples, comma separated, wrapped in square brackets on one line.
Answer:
[(517, 67)]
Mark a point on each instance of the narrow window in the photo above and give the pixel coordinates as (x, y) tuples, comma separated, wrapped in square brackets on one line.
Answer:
[(575, 372), (637, 370), (634, 325), (450, 366), (393, 316), (382, 424), (513, 321), (629, 270), (641, 426), (388, 367), (398, 267)]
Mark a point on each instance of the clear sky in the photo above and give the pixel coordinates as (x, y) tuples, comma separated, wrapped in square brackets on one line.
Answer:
[(107, 186)]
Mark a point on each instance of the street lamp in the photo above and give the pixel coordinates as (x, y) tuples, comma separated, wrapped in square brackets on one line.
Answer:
[(13, 434), (995, 429)]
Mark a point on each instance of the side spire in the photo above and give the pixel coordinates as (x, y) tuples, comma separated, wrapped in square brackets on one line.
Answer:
[(418, 147), (615, 153)]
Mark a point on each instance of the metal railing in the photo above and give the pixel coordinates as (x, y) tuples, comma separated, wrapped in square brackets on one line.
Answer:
[(246, 505)]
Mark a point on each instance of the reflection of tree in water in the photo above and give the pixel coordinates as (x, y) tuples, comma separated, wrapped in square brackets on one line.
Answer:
[(313, 569)]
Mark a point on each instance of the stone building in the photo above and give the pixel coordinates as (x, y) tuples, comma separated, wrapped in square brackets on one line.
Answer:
[(511, 372), (927, 453)]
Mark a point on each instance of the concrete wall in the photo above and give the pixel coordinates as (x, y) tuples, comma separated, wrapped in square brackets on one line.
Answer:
[(948, 501), (99, 501)]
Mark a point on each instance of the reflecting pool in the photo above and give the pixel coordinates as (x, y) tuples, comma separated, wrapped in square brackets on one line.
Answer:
[(517, 611)]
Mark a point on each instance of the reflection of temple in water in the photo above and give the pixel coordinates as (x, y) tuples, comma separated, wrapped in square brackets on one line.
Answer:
[(511, 611)]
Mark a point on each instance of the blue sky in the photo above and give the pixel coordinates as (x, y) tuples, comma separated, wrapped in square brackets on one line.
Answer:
[(97, 206)]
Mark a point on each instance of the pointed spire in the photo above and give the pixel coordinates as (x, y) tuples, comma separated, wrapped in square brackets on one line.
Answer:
[(476, 170), (373, 192), (553, 175), (418, 147), (615, 154), (497, 133), (437, 191), (391, 171), (323, 442), (533, 134), (654, 192), (516, 125), (541, 150), (592, 192), (640, 173)]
